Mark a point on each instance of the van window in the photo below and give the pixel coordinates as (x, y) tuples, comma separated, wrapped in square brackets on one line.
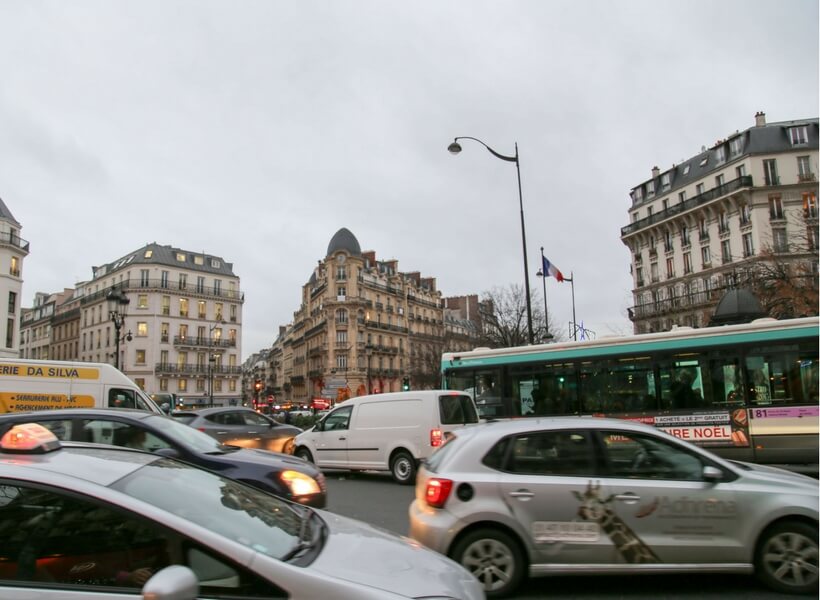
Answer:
[(338, 419), (119, 398), (457, 409)]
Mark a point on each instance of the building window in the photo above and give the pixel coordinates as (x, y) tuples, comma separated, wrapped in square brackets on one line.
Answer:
[(720, 180), (770, 172), (341, 362), (740, 171), (216, 264), (182, 385), (218, 311), (148, 254), (748, 247), (665, 204), (699, 189), (723, 222), (142, 329), (163, 385), (706, 256), (140, 357), (804, 169), (653, 271), (12, 302), (183, 281), (684, 235), (163, 282), (682, 196), (341, 292), (639, 277), (720, 154), (725, 251), (650, 189), (703, 230), (687, 262), (10, 332), (217, 287), (201, 306), (14, 269), (341, 316), (142, 301), (183, 307), (180, 257), (810, 205), (200, 285), (199, 260), (144, 280), (812, 237), (164, 329), (779, 240), (233, 313), (745, 214), (799, 135), (736, 146), (670, 268), (775, 207), (666, 182), (667, 241), (341, 272), (341, 337)]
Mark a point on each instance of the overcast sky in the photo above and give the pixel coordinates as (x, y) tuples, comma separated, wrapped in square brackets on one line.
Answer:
[(254, 130)]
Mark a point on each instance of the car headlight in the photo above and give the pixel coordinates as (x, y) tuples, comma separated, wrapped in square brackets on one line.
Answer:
[(300, 484)]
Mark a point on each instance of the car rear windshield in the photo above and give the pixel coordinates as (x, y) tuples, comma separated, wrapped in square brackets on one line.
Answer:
[(457, 409), (184, 418)]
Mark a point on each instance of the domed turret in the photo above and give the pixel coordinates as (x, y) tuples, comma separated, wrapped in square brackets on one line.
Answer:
[(344, 240)]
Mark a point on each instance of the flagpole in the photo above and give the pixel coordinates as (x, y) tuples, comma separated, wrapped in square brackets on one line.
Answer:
[(543, 274), (571, 279)]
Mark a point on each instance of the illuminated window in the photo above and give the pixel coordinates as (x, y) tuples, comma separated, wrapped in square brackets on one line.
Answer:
[(142, 329), (180, 257)]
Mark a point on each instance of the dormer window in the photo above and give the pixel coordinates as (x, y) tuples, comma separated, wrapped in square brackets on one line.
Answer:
[(736, 146), (666, 182), (650, 189), (180, 257), (148, 254), (799, 135)]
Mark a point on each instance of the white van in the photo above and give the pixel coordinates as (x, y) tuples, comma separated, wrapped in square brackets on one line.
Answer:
[(386, 432), (27, 385)]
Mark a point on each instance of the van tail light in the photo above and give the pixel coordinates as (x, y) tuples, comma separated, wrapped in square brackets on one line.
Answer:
[(437, 492), (436, 438)]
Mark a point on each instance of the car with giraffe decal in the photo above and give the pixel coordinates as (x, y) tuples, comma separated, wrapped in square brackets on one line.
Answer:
[(578, 495)]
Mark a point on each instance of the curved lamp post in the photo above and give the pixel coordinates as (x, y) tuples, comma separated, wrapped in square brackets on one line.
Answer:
[(455, 148), (117, 301)]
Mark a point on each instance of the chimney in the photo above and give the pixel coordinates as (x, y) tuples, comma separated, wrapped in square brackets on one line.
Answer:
[(655, 172), (760, 118)]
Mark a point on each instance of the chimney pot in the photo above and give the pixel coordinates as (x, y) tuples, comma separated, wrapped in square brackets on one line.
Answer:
[(760, 118)]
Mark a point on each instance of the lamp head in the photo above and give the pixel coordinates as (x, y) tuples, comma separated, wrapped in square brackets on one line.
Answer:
[(540, 273), (129, 336), (454, 148)]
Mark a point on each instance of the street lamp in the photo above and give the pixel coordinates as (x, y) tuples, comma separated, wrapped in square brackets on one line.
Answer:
[(455, 148), (543, 276), (212, 361), (368, 350), (117, 301)]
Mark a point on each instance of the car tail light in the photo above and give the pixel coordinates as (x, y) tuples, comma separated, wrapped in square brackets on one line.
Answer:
[(437, 492), (435, 438)]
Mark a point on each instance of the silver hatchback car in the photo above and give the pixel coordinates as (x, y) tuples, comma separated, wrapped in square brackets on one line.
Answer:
[(569, 495)]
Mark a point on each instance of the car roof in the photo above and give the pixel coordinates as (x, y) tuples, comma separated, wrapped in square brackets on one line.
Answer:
[(519, 425), (95, 463)]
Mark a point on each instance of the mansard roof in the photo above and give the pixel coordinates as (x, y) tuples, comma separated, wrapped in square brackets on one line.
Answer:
[(344, 240)]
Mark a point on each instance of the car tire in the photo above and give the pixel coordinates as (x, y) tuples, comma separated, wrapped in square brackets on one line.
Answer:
[(494, 558), (304, 454), (786, 558), (403, 468)]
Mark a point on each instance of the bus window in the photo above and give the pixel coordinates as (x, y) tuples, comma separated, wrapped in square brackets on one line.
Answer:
[(781, 376), (682, 384), (553, 388), (724, 386), (618, 386)]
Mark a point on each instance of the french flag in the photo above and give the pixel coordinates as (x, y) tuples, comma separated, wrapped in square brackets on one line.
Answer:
[(551, 269)]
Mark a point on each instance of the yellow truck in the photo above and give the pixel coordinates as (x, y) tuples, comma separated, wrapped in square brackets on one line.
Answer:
[(27, 385)]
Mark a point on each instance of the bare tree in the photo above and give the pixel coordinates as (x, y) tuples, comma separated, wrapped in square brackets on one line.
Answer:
[(785, 278), (505, 319)]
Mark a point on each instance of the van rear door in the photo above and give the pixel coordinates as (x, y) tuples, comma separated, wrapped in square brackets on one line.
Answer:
[(456, 410)]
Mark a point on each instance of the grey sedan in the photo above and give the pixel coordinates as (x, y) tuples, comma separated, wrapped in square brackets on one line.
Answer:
[(240, 426), (588, 495), (99, 522)]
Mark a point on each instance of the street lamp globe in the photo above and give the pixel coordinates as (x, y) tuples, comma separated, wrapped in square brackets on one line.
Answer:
[(454, 148)]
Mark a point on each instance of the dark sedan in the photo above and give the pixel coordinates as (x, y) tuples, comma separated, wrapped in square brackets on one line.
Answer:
[(281, 474), (240, 426)]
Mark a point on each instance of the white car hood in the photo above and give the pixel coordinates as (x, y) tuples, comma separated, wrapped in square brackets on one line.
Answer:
[(359, 552), (776, 475)]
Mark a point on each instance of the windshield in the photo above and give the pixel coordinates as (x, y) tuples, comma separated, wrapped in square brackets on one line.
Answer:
[(145, 403), (231, 509), (185, 436)]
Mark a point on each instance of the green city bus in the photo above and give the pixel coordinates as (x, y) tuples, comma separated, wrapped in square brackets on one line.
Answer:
[(748, 392)]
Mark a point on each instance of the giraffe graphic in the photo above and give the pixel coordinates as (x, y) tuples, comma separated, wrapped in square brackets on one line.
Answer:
[(629, 546)]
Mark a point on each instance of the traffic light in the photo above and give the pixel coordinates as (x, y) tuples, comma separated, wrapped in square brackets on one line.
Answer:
[(405, 384), (257, 386)]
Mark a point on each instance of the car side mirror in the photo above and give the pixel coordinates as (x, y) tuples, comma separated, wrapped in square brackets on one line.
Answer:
[(712, 474), (172, 583)]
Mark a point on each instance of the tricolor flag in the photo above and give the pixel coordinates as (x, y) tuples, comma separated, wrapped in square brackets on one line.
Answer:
[(551, 269)]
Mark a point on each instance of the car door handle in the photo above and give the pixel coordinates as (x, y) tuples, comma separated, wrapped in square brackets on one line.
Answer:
[(522, 494), (628, 498), (221, 433), (343, 438)]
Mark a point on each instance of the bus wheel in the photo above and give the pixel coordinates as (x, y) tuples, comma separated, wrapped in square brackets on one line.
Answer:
[(786, 558)]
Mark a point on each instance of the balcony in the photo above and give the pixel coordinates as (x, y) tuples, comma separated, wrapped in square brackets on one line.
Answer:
[(193, 341), (196, 370), (12, 239), (806, 177), (689, 204)]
